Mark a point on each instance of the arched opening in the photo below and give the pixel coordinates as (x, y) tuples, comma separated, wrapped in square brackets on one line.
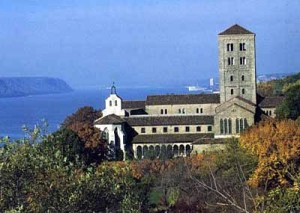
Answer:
[(169, 152), (139, 152), (118, 151), (146, 152), (181, 150), (163, 152), (151, 152), (188, 150), (157, 151), (175, 150)]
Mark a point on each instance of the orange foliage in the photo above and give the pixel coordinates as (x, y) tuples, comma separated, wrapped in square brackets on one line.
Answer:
[(277, 145)]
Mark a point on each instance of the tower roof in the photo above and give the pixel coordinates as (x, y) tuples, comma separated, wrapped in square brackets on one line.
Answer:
[(235, 29)]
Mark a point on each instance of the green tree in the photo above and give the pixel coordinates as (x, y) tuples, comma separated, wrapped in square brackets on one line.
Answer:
[(290, 107)]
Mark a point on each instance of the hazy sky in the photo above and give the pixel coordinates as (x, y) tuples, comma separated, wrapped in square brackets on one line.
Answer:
[(140, 42)]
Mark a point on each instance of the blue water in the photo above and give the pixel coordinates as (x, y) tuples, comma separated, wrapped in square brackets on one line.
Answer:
[(16, 112)]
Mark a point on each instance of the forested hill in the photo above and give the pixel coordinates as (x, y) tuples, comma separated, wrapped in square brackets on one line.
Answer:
[(279, 86), (23, 86)]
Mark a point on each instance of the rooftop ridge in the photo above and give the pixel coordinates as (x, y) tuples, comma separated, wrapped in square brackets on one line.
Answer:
[(235, 30)]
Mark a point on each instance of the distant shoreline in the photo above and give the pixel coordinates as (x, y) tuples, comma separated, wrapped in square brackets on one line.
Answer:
[(13, 87)]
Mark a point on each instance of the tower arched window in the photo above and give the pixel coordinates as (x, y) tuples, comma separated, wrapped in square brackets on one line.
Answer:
[(116, 103), (243, 91), (243, 78), (231, 92), (110, 103)]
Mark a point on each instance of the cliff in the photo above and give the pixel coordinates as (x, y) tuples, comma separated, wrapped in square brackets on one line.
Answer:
[(23, 86)]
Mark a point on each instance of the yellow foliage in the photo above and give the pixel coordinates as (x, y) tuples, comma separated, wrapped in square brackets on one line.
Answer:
[(277, 145)]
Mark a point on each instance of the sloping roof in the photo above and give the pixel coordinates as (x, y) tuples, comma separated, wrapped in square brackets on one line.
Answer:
[(110, 119), (271, 101), (170, 138), (235, 29), (133, 105), (169, 120), (183, 99)]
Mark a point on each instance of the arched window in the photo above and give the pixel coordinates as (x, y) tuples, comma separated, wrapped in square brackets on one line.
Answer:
[(246, 123), (175, 150), (229, 126), (110, 103), (197, 110), (201, 110), (237, 125), (243, 91), (181, 150), (231, 91), (243, 78), (225, 126), (231, 78), (139, 152), (221, 127), (157, 151), (241, 125), (179, 111), (161, 111), (198, 128), (116, 103)]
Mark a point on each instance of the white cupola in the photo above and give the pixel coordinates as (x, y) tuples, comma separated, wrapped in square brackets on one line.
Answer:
[(113, 104)]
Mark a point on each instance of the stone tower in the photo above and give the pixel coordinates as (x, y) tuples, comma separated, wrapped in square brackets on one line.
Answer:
[(237, 66)]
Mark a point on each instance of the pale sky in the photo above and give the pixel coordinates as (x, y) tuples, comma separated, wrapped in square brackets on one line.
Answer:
[(140, 42)]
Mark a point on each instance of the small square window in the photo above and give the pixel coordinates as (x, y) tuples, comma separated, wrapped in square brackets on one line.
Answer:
[(176, 129), (154, 130), (187, 128), (209, 128), (143, 130), (198, 128), (165, 129)]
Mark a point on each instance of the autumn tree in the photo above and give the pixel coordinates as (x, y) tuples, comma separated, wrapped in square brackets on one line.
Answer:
[(277, 145), (81, 122)]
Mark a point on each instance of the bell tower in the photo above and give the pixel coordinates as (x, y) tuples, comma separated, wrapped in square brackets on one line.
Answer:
[(237, 66)]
